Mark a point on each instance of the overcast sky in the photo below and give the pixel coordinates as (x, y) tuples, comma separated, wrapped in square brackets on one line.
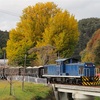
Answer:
[(10, 10)]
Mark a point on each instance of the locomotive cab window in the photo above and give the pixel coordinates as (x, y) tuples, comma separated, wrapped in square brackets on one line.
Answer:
[(80, 69)]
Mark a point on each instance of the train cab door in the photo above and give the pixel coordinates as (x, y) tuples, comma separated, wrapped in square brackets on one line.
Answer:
[(61, 65), (86, 72), (89, 69), (62, 68)]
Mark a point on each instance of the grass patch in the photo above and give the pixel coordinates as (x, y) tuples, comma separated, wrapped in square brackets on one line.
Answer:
[(97, 98), (31, 91)]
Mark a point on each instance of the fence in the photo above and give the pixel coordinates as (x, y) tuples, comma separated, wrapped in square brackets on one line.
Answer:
[(29, 79)]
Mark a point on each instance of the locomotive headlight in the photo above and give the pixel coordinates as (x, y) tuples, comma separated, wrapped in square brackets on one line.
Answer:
[(85, 65)]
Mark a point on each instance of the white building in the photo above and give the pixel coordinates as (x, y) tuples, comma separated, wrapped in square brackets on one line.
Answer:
[(3, 61)]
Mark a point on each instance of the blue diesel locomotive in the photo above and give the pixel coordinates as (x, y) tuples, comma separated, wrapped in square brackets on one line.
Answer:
[(70, 71)]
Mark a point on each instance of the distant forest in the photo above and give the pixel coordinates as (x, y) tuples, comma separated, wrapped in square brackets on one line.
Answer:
[(86, 27), (4, 36)]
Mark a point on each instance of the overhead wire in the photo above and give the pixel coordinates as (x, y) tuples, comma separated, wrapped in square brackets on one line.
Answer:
[(9, 13), (15, 15)]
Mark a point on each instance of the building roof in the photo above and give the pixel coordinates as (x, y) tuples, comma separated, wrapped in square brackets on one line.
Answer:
[(59, 60)]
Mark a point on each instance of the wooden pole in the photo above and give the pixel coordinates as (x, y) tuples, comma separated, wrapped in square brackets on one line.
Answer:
[(23, 74), (11, 85)]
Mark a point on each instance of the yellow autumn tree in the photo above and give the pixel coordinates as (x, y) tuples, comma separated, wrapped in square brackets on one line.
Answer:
[(62, 33), (41, 25), (29, 30)]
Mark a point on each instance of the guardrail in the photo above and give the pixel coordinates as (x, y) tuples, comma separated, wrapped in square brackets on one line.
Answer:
[(29, 79)]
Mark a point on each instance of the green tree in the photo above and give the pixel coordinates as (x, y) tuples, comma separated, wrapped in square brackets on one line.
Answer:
[(4, 35), (1, 53)]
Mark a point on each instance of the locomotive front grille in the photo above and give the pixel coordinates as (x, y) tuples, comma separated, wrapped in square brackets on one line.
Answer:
[(96, 78), (85, 79), (90, 81)]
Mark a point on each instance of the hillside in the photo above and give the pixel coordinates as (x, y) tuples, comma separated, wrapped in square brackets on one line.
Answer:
[(92, 50), (87, 27)]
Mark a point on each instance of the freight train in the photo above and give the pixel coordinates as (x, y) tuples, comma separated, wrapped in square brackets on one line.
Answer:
[(70, 71), (65, 71), (28, 71)]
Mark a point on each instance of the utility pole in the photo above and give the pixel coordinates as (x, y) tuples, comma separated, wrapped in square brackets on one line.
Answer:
[(24, 74), (4, 58)]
